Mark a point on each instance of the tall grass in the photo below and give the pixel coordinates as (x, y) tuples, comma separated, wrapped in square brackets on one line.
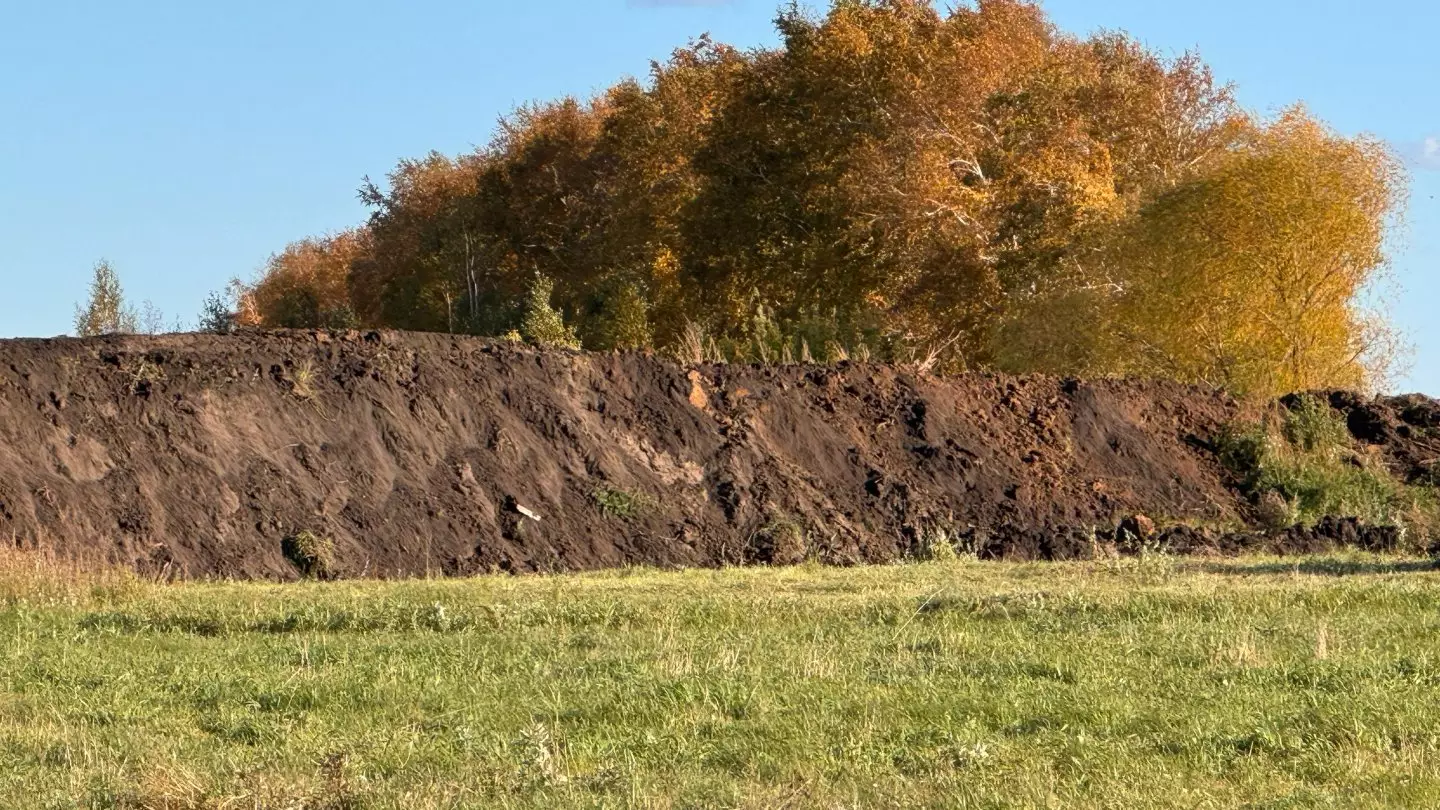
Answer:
[(30, 577)]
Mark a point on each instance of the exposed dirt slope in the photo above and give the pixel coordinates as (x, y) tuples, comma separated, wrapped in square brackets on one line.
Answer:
[(199, 455)]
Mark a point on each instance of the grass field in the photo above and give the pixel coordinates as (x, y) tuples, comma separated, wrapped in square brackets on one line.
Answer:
[(1143, 683)]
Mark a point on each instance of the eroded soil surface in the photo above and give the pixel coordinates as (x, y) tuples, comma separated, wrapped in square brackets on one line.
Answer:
[(197, 455)]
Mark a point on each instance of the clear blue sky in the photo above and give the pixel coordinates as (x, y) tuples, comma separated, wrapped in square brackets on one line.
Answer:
[(187, 141)]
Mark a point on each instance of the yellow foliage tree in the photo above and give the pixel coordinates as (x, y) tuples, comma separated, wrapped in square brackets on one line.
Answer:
[(1250, 277)]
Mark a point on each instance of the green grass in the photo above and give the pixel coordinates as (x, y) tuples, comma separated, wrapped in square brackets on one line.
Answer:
[(1141, 683), (620, 503), (1301, 464)]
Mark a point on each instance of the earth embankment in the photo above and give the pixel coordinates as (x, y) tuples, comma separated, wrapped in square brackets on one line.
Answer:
[(200, 456)]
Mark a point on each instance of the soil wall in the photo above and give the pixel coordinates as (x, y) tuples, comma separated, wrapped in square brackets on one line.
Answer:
[(199, 455)]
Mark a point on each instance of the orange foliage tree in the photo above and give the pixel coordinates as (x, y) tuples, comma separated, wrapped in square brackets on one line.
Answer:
[(890, 178), (307, 284)]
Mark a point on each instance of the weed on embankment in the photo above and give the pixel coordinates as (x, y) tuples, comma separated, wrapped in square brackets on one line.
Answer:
[(1302, 464)]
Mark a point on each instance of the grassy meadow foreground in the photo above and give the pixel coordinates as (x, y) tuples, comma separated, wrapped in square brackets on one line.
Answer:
[(1138, 683)]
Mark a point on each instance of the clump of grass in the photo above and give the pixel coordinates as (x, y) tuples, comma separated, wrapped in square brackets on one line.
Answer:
[(937, 543), (144, 377), (690, 350), (313, 555), (303, 383), (781, 541), (771, 340), (1302, 465), (621, 503)]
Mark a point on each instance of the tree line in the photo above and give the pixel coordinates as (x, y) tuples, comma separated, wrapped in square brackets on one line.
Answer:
[(974, 186)]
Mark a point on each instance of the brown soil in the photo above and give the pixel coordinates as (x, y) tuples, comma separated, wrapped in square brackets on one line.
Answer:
[(208, 456)]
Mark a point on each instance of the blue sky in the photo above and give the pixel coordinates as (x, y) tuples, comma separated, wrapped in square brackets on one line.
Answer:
[(186, 141)]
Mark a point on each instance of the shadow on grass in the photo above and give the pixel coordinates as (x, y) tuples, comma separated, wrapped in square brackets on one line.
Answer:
[(1321, 567)]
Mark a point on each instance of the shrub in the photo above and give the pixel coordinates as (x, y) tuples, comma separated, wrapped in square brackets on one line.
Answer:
[(1244, 450), (216, 316), (1314, 427), (542, 324), (625, 323)]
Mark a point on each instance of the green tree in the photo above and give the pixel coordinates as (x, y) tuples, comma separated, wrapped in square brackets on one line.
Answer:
[(216, 315), (543, 324)]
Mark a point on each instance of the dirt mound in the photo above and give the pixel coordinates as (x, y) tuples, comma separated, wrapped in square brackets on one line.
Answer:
[(398, 454)]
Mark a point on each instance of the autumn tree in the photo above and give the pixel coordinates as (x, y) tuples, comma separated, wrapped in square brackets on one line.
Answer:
[(1250, 276), (307, 284), (893, 179), (422, 251), (105, 311)]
